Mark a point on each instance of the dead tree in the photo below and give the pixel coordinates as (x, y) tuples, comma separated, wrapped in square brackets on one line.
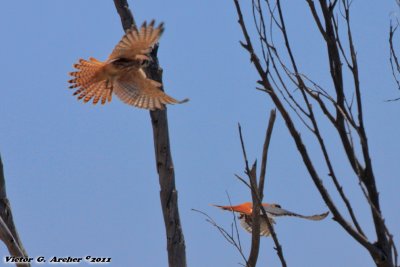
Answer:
[(8, 231), (341, 106), (164, 163)]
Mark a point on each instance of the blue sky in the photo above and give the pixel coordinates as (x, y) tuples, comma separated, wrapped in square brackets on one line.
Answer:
[(81, 178)]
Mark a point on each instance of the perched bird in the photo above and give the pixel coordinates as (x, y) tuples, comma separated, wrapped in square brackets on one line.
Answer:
[(273, 210), (122, 73)]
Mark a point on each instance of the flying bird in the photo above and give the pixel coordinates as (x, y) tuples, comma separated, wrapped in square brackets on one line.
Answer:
[(122, 73), (273, 210)]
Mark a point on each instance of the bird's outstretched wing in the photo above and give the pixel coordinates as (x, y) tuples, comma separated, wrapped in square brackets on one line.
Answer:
[(136, 44), (244, 208), (246, 221), (278, 211), (135, 89), (271, 210)]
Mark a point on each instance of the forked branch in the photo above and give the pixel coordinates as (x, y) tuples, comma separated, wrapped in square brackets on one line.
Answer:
[(257, 193), (274, 76)]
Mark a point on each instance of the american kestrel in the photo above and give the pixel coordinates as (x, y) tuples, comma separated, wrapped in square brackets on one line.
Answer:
[(273, 210), (122, 73)]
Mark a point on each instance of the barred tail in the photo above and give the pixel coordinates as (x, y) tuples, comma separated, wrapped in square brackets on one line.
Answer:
[(85, 79)]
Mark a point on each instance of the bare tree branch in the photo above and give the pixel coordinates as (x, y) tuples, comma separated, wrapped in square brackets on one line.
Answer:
[(268, 135), (125, 14), (394, 61), (8, 231), (164, 164), (381, 251), (255, 232), (257, 191), (228, 236)]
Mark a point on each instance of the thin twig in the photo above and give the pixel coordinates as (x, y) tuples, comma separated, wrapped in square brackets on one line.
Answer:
[(394, 61), (228, 237), (234, 223), (246, 161)]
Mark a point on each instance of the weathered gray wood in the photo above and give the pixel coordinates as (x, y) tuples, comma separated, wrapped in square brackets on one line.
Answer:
[(164, 164)]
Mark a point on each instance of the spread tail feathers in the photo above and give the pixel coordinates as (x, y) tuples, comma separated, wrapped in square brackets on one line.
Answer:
[(87, 80)]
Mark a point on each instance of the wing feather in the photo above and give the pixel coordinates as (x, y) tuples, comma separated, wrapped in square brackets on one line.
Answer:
[(137, 42), (96, 80), (246, 222), (277, 211), (135, 89)]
